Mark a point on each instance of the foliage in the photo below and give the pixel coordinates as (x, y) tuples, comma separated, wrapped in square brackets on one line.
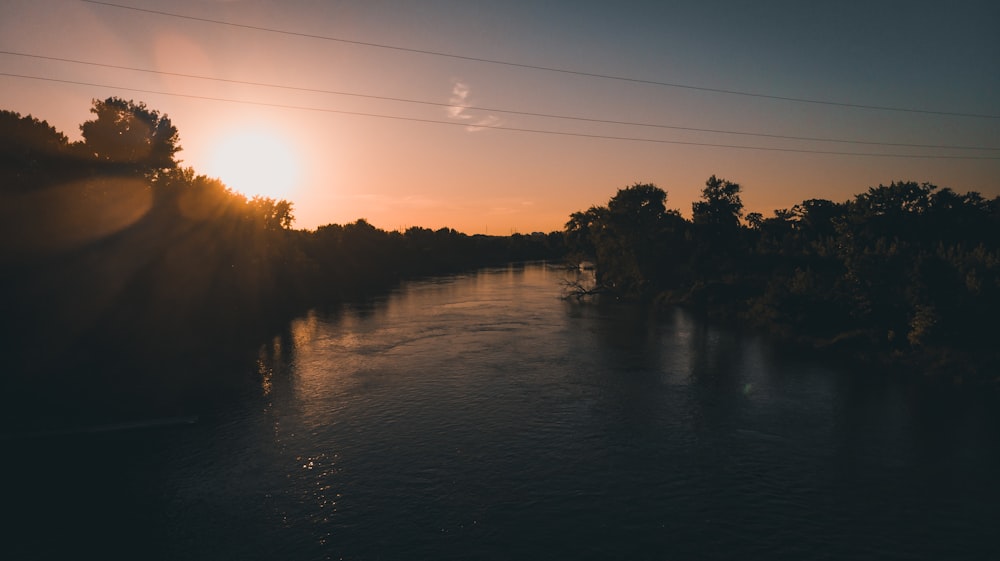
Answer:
[(130, 135), (637, 241), (720, 208), (904, 270), (33, 154)]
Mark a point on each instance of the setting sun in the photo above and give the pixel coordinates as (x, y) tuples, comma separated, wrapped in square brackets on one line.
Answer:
[(255, 162)]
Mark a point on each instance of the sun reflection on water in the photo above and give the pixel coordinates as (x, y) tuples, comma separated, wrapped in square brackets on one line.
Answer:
[(266, 377)]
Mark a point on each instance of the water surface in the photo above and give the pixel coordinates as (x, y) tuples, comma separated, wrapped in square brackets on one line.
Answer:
[(483, 417)]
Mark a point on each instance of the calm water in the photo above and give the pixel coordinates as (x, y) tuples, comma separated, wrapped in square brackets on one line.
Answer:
[(482, 417)]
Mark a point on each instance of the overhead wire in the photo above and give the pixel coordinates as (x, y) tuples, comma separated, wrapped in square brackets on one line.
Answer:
[(498, 109), (565, 71), (507, 128)]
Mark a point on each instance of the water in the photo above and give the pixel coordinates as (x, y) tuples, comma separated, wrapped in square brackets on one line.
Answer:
[(482, 417)]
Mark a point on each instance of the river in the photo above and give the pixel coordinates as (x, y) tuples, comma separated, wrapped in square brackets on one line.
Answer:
[(480, 416)]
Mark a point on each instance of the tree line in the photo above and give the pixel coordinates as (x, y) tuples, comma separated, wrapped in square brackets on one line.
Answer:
[(113, 257), (907, 273), (121, 269)]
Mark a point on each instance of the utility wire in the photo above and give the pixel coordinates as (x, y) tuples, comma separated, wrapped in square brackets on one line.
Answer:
[(497, 109), (505, 128), (548, 68)]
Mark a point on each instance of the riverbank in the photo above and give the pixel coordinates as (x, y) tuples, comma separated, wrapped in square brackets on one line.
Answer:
[(858, 346)]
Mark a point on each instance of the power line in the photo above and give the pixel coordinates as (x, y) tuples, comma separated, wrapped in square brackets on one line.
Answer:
[(497, 109), (549, 68), (505, 128)]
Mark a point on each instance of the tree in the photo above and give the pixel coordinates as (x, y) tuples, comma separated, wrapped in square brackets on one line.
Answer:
[(721, 207), (131, 135), (581, 229), (635, 240), (32, 153), (271, 214), (629, 247), (25, 139), (642, 205)]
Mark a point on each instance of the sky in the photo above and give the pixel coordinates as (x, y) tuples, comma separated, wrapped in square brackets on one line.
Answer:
[(507, 116)]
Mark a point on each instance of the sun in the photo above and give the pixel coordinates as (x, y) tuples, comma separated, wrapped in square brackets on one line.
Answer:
[(256, 162)]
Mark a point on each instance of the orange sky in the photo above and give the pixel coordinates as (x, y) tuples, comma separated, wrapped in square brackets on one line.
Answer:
[(387, 164)]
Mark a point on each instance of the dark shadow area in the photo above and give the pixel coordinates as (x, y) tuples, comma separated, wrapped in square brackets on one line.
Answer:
[(905, 275)]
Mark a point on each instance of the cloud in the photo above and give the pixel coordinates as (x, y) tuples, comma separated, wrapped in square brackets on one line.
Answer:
[(509, 206), (459, 93), (459, 109)]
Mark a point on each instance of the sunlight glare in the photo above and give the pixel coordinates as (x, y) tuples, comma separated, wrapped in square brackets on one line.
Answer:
[(256, 162)]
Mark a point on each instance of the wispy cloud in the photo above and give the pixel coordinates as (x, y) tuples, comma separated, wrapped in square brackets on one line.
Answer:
[(459, 93), (459, 109), (509, 206)]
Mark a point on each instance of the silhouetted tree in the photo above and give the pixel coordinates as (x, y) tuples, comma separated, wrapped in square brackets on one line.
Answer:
[(905, 270), (271, 214), (626, 242), (131, 135), (33, 154), (581, 230), (638, 244), (816, 218), (26, 140), (721, 207)]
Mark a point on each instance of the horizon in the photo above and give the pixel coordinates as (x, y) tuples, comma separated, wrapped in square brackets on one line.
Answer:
[(496, 119)]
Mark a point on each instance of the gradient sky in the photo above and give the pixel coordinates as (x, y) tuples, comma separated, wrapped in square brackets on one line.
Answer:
[(938, 56)]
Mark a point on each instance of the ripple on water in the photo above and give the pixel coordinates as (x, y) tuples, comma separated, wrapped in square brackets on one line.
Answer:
[(480, 417)]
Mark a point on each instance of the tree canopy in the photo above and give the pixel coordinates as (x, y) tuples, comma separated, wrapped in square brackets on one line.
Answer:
[(131, 135), (900, 270), (720, 207)]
